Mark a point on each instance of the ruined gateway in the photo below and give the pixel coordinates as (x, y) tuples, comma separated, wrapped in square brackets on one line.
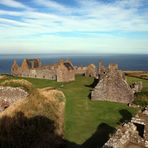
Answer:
[(112, 86)]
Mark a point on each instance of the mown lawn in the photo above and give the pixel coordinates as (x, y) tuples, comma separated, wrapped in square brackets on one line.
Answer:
[(88, 123)]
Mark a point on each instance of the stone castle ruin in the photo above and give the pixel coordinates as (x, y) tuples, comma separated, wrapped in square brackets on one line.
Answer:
[(91, 70), (63, 71), (113, 87)]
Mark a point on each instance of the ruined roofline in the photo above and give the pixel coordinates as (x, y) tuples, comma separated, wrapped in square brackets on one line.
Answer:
[(44, 67), (113, 66)]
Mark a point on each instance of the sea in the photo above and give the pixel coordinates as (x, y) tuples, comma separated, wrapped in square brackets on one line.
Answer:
[(136, 62)]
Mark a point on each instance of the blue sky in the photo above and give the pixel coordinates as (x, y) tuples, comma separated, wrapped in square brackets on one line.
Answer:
[(74, 26)]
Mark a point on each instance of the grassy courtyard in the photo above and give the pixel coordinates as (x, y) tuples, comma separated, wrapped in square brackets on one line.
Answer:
[(88, 123), (83, 117)]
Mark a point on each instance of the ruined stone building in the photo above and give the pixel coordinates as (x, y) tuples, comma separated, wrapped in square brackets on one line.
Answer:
[(91, 70), (101, 70), (80, 70), (133, 134), (63, 71), (112, 86)]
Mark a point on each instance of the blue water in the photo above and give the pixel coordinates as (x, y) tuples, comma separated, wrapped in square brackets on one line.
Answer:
[(125, 61)]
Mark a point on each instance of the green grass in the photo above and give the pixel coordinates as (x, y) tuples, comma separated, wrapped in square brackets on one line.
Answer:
[(142, 97), (85, 119)]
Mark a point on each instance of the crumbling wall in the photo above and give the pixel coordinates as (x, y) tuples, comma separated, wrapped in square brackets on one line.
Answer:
[(128, 134), (80, 70), (62, 72), (65, 71), (91, 70), (136, 87)]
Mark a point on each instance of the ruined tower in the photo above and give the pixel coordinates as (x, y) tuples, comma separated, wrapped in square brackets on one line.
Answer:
[(101, 70), (15, 69)]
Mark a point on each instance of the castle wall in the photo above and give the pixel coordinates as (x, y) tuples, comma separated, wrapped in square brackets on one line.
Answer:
[(80, 70), (65, 75), (40, 73), (91, 70)]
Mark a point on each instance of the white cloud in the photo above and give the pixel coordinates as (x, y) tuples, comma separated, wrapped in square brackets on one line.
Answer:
[(54, 5), (54, 43), (13, 3), (33, 28), (10, 13)]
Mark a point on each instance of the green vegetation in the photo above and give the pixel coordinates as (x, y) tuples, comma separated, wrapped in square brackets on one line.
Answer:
[(83, 117), (31, 122), (142, 97), (27, 86)]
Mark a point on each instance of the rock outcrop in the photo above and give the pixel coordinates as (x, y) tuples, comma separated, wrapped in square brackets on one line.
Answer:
[(113, 87)]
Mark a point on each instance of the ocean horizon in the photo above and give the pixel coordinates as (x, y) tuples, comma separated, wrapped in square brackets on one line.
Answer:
[(125, 61)]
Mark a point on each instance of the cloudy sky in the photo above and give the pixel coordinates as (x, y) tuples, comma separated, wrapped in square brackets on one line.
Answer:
[(74, 26)]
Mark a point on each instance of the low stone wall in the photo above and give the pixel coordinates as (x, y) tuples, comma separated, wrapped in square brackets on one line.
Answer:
[(9, 95)]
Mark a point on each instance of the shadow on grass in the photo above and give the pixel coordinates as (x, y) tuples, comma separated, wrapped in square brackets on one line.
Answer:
[(93, 85), (97, 140), (126, 116), (23, 132), (39, 132)]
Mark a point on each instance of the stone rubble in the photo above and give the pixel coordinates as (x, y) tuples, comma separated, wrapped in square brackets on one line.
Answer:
[(9, 95), (128, 134)]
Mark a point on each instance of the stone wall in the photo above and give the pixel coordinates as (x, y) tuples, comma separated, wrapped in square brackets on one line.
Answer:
[(91, 70), (65, 75), (40, 73), (112, 87), (128, 136), (62, 72), (80, 70), (127, 133), (136, 87)]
